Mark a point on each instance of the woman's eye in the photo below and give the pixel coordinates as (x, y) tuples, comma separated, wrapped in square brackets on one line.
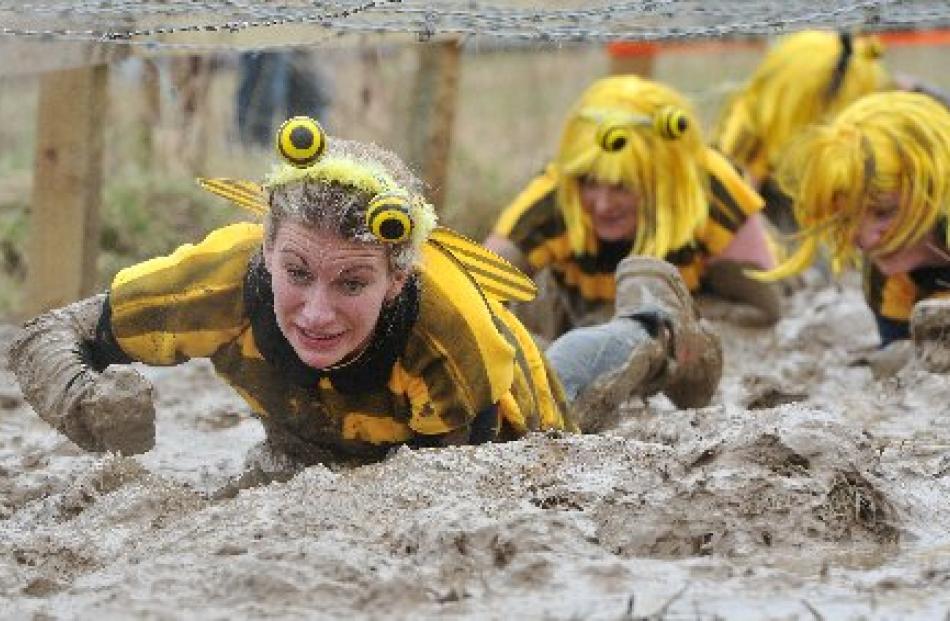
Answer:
[(883, 208), (588, 183), (352, 287), (298, 275)]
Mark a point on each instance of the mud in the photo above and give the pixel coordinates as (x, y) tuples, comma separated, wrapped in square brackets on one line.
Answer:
[(931, 334), (807, 489)]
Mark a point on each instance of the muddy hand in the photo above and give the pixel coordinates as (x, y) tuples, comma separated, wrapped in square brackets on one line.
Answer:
[(118, 412), (930, 330), (265, 463), (761, 302)]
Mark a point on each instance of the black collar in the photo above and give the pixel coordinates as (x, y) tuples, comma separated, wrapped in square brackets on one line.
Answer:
[(370, 371)]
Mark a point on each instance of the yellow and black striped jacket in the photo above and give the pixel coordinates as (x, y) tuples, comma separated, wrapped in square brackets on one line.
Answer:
[(892, 298), (449, 360), (534, 223)]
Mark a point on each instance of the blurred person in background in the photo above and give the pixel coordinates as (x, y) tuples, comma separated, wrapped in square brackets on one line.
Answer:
[(276, 85), (634, 195), (805, 78), (873, 187)]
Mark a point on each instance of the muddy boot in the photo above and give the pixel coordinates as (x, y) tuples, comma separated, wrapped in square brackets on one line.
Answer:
[(930, 331), (653, 292), (655, 342)]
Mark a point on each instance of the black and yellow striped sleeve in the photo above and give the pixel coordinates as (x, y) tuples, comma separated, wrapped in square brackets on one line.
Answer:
[(536, 399), (534, 224), (892, 298), (187, 304), (731, 201)]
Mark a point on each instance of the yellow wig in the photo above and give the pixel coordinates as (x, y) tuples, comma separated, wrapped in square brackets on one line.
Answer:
[(806, 78), (369, 170), (662, 170), (895, 143), (364, 193)]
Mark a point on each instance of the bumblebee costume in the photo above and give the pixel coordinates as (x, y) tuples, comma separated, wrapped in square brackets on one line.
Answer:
[(884, 159), (624, 322), (535, 223), (805, 78), (687, 204), (449, 360), (446, 364), (892, 298)]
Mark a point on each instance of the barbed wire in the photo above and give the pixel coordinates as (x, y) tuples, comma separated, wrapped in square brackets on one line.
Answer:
[(127, 22), (338, 11)]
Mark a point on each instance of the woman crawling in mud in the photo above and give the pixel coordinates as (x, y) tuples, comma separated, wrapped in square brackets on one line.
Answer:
[(633, 179), (348, 321), (806, 77), (874, 185)]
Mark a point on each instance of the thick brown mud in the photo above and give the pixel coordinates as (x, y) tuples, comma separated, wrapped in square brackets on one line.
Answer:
[(808, 489)]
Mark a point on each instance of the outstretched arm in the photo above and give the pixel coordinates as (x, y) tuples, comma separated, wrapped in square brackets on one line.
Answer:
[(725, 275), (61, 361), (750, 246)]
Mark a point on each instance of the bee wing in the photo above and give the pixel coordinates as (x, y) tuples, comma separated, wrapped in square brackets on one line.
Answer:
[(246, 194), (495, 276)]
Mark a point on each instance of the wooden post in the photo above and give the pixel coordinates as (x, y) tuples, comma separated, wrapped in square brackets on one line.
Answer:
[(149, 115), (67, 177), (191, 79), (432, 115)]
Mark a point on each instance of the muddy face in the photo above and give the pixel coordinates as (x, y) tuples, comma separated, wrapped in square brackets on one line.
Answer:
[(877, 224), (612, 209), (328, 291)]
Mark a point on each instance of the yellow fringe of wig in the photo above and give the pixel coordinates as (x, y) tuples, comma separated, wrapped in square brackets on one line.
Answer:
[(789, 91), (365, 176), (886, 143), (664, 173)]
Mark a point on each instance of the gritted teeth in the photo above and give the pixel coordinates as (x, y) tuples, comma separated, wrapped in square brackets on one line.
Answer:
[(321, 336)]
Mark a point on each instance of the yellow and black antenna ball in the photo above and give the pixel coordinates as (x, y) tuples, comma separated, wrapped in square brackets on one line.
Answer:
[(612, 137), (301, 141), (670, 122), (388, 218)]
